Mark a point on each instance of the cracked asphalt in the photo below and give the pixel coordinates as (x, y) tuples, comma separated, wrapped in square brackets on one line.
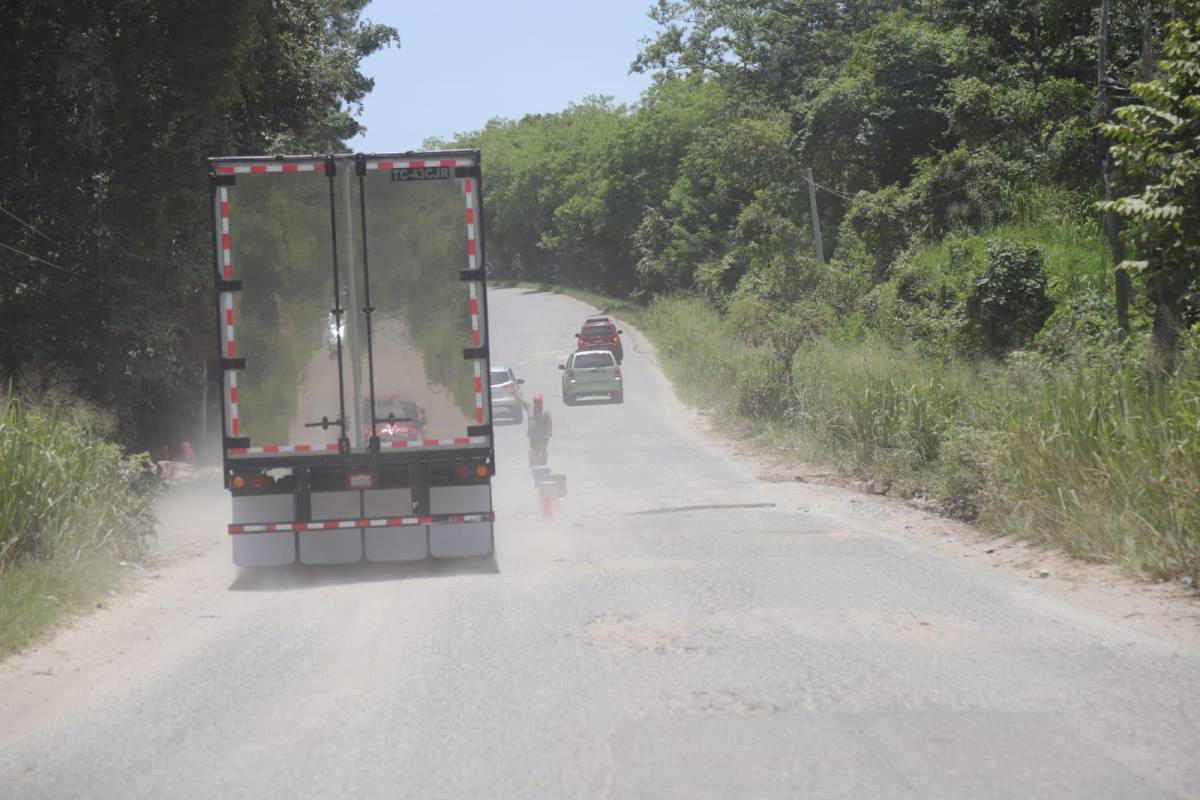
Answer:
[(679, 629)]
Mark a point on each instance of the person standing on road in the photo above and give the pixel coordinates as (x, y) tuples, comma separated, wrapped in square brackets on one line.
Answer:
[(541, 428)]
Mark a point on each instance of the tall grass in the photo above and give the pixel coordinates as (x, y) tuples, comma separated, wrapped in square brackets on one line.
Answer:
[(71, 504), (1107, 466), (1093, 459)]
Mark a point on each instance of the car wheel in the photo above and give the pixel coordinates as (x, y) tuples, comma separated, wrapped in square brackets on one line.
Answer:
[(617, 397)]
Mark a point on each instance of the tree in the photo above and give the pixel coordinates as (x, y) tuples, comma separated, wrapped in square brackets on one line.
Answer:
[(1158, 148), (109, 108)]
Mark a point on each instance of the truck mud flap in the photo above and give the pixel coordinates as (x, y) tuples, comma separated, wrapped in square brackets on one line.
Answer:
[(466, 540), (394, 542), (275, 550), (270, 543), (332, 546)]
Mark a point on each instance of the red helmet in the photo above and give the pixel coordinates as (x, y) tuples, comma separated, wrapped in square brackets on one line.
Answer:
[(537, 399)]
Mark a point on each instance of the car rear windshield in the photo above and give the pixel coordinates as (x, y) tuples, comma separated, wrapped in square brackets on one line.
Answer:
[(405, 410), (593, 360), (499, 376), (599, 330)]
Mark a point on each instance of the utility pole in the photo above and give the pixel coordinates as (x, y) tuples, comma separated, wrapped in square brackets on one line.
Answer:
[(1123, 283), (816, 219)]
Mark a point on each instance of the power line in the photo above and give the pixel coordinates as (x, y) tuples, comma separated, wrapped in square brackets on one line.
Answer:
[(943, 194), (8, 213), (833, 192), (32, 257), (850, 198)]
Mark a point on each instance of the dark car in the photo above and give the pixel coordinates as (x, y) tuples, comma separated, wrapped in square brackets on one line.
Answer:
[(599, 333)]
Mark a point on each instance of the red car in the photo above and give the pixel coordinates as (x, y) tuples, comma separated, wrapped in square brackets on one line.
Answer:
[(395, 419), (599, 333)]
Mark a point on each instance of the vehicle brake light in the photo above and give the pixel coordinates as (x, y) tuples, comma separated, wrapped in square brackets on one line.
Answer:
[(570, 374), (462, 471), (482, 470), (616, 372)]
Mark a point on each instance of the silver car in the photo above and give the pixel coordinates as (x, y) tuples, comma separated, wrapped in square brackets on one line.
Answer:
[(589, 373), (508, 401)]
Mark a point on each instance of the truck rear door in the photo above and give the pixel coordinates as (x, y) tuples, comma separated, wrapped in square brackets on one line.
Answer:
[(353, 329)]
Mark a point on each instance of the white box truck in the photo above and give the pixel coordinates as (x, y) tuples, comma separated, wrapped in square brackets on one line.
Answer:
[(352, 327)]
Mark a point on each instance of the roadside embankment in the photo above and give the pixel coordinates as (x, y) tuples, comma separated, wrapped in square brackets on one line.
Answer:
[(1096, 459), (72, 507)]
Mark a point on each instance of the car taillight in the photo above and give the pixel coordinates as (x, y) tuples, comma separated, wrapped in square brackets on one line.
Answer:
[(616, 372), (570, 374)]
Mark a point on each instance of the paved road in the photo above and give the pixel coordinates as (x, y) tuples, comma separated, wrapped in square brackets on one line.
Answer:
[(785, 641)]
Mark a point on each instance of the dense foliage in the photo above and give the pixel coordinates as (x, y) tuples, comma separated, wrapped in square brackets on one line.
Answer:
[(920, 117), (108, 111), (962, 344), (1158, 151)]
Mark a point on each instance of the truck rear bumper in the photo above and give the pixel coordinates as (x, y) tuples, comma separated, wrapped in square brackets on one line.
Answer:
[(401, 543), (345, 536)]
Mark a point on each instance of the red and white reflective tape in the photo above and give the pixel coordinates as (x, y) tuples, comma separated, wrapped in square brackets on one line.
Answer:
[(226, 260), (461, 441), (347, 524), (420, 163), (227, 306), (473, 294), (227, 327), (478, 394), (235, 424), (263, 169), (284, 449)]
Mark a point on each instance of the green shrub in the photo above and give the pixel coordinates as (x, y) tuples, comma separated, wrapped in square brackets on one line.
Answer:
[(1009, 303)]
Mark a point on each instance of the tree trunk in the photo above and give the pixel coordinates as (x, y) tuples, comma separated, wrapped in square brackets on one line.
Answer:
[(1164, 336)]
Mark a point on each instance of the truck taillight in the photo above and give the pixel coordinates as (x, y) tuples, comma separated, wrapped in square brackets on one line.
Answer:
[(254, 481), (462, 471)]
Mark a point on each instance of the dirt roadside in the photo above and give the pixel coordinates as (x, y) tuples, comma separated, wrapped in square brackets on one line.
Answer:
[(160, 612), (1095, 592)]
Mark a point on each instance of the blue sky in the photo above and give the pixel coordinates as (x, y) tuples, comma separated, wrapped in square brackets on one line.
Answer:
[(460, 64)]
